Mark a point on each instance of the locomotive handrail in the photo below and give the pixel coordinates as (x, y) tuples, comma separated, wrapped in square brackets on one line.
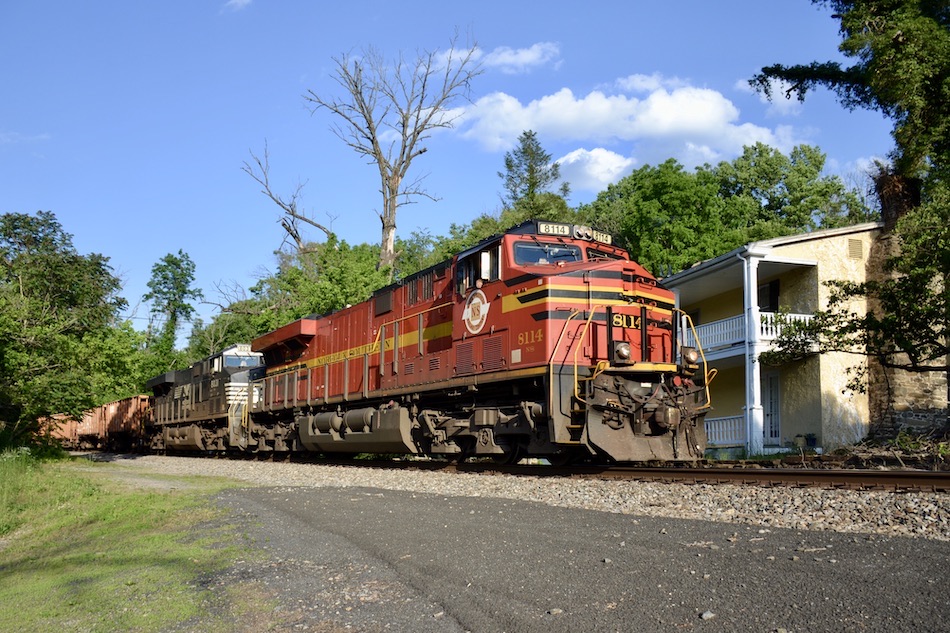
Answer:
[(600, 367), (557, 345), (708, 374), (383, 326)]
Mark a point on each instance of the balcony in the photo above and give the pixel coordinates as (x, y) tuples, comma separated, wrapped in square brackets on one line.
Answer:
[(727, 337)]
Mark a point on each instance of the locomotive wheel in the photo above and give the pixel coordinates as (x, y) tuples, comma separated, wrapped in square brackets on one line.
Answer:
[(513, 455), (466, 451), (565, 457)]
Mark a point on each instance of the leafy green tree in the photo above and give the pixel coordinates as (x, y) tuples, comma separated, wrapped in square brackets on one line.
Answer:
[(57, 307), (665, 216), (529, 172), (228, 328), (670, 218), (170, 293), (780, 193), (317, 279), (901, 50), (416, 253)]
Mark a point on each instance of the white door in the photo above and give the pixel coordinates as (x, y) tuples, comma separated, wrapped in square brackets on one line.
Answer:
[(771, 408)]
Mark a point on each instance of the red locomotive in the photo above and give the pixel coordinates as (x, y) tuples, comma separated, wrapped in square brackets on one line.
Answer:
[(544, 341)]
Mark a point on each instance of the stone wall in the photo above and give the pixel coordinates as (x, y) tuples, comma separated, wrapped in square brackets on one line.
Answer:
[(901, 400), (909, 401)]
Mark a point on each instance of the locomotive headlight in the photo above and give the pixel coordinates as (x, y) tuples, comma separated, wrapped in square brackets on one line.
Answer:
[(690, 355), (622, 350)]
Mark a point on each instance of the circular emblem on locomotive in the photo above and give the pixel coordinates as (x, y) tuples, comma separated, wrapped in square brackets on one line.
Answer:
[(476, 311)]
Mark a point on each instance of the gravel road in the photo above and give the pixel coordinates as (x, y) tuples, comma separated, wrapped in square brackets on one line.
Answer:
[(357, 549)]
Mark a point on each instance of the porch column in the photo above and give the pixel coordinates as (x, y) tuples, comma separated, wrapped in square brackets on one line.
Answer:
[(754, 413)]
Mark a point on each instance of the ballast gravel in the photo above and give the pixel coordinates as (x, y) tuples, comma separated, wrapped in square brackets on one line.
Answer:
[(923, 515)]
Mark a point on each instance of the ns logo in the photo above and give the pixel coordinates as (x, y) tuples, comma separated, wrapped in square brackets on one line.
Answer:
[(475, 313)]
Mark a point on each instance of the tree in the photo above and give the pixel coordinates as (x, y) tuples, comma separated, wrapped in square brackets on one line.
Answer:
[(57, 311), (529, 171), (318, 279), (388, 114), (666, 217), (765, 187), (902, 48), (170, 291), (227, 328)]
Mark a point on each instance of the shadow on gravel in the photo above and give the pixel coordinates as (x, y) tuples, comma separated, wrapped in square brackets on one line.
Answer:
[(107, 457)]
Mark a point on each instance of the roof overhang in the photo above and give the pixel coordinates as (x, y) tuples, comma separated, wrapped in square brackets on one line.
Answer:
[(724, 273)]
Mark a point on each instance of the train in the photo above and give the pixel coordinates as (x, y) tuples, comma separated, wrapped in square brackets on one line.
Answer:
[(544, 341)]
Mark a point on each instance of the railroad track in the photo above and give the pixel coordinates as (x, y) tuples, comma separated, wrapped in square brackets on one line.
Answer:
[(830, 476), (847, 479), (892, 480)]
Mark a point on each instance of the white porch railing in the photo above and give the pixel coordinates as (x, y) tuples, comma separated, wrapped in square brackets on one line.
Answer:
[(724, 333), (728, 431), (732, 331), (770, 323)]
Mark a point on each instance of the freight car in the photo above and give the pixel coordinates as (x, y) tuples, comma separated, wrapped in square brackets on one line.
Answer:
[(118, 425), (60, 429)]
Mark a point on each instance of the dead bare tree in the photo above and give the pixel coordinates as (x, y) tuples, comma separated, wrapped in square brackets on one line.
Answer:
[(292, 215), (390, 110)]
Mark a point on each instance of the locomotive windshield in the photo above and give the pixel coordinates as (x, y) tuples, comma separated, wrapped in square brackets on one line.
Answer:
[(545, 253), (242, 361)]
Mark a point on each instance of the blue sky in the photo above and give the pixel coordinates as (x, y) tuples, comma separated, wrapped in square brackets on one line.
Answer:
[(131, 120)]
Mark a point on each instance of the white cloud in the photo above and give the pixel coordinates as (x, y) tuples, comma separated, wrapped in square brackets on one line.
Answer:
[(237, 5), (648, 83), (671, 118), (641, 119), (521, 60), (593, 170), (11, 138)]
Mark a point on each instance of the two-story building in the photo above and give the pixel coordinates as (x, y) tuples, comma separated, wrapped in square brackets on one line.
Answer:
[(738, 302)]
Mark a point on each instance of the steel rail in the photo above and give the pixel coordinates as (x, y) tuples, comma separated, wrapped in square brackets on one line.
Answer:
[(898, 480)]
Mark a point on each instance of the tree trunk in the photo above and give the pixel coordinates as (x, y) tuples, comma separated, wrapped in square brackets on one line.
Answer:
[(387, 250), (898, 195)]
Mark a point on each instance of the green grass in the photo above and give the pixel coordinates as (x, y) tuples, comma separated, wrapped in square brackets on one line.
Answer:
[(80, 551)]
